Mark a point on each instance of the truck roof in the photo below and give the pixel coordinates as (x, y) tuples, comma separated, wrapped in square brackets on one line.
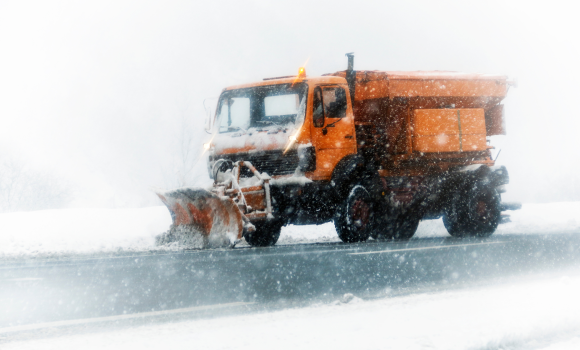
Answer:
[(290, 80), (382, 84), (376, 84)]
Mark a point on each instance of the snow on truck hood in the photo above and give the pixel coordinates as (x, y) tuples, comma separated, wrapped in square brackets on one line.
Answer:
[(252, 140)]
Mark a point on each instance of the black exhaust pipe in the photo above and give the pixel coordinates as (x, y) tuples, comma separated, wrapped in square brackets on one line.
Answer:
[(351, 76)]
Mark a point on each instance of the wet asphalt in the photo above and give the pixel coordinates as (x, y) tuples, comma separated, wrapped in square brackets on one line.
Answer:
[(209, 283)]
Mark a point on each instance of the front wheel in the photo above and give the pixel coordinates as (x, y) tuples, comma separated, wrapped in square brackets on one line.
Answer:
[(265, 235), (354, 219)]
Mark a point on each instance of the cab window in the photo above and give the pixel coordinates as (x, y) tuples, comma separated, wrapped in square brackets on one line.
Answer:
[(234, 114), (317, 109), (334, 99), (328, 102)]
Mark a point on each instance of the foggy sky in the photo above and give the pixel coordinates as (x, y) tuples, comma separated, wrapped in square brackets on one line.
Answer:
[(98, 92)]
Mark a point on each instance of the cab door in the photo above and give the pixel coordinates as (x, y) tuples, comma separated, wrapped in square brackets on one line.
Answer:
[(332, 129)]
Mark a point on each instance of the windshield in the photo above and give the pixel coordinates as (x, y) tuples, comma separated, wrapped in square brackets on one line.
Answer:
[(278, 105)]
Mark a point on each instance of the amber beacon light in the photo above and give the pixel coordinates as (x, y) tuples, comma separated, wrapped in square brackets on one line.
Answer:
[(301, 72)]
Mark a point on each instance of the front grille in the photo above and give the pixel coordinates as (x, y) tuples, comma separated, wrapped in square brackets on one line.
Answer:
[(270, 162)]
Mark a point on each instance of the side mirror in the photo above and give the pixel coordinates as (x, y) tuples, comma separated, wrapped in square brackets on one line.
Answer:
[(208, 124)]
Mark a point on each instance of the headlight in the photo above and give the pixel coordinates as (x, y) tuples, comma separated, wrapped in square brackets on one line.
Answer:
[(207, 146)]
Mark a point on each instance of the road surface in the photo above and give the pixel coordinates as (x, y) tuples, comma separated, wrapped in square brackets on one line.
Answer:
[(40, 294)]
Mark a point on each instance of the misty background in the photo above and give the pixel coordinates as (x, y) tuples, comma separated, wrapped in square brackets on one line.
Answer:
[(100, 102)]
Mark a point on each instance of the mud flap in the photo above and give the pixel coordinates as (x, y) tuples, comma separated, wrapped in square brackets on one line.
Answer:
[(200, 211)]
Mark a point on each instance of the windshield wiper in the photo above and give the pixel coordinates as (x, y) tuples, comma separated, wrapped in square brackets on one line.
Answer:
[(267, 121), (234, 128)]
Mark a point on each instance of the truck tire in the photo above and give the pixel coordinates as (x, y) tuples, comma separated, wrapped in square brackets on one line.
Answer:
[(477, 214), (353, 221), (401, 228), (384, 228), (265, 235), (349, 170), (406, 228)]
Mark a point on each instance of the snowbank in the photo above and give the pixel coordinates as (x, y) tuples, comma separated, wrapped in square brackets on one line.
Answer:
[(74, 231), (520, 315)]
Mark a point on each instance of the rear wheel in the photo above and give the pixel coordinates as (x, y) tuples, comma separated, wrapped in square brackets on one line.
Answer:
[(384, 227), (396, 228), (266, 234), (476, 214), (354, 219), (406, 228)]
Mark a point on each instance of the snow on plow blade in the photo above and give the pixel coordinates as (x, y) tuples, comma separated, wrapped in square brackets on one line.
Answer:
[(196, 211)]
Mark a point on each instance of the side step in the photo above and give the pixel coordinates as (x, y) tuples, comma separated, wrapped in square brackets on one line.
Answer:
[(505, 218), (511, 206)]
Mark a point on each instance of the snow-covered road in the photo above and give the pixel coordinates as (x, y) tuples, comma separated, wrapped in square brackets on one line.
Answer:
[(541, 314), (523, 314)]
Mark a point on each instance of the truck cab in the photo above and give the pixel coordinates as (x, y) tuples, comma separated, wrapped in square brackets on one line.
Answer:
[(282, 125)]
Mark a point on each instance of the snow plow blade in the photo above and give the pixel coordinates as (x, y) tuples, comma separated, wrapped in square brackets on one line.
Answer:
[(200, 212)]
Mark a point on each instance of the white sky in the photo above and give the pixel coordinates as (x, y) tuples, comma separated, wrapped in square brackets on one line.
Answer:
[(97, 91)]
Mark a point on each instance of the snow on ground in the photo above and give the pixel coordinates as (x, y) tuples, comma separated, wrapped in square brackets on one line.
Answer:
[(67, 231), (541, 314), (81, 231), (521, 315), (568, 344)]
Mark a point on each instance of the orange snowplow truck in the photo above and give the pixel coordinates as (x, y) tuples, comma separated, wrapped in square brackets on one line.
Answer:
[(373, 151)]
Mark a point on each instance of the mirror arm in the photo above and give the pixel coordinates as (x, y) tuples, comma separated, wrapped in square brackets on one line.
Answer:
[(331, 125)]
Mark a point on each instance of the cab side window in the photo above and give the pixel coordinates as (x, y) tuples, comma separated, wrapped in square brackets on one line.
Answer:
[(317, 110), (334, 102)]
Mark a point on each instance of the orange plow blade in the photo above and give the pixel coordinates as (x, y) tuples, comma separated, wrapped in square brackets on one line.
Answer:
[(198, 212)]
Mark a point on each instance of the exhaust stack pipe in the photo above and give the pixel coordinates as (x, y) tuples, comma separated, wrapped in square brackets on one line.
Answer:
[(350, 56), (351, 76)]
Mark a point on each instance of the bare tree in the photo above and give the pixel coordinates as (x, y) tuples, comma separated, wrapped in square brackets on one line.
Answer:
[(187, 154), (189, 159)]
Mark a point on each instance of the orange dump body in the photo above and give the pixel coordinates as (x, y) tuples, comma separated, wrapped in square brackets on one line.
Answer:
[(449, 130), (427, 118)]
